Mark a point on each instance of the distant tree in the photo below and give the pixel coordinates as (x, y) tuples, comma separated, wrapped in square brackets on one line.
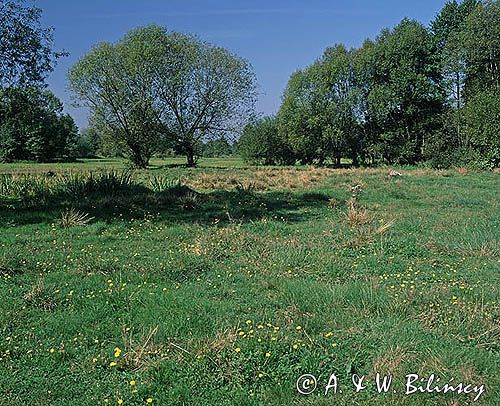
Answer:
[(319, 116), (26, 48), (482, 125), (261, 144), (114, 81), (297, 118), (482, 48), (447, 29), (88, 143), (404, 99), (155, 85), (217, 148), (204, 92), (33, 126), (339, 115), (369, 147)]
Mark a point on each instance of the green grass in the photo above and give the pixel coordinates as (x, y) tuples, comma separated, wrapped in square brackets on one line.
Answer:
[(117, 163), (194, 289)]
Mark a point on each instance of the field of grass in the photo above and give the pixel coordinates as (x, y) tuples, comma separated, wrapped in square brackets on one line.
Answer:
[(225, 283), (116, 163)]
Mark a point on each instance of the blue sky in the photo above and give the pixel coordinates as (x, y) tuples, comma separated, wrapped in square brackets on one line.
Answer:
[(277, 37)]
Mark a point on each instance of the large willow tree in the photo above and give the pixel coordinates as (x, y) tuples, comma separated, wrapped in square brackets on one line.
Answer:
[(155, 87)]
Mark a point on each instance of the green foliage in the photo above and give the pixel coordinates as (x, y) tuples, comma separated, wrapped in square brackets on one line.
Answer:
[(33, 126), (262, 144), (447, 29), (482, 48), (217, 148), (482, 125), (25, 46), (88, 143), (107, 79), (381, 101), (156, 87), (402, 98), (466, 34), (162, 183)]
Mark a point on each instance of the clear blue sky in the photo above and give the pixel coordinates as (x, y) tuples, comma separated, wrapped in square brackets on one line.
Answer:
[(277, 37)]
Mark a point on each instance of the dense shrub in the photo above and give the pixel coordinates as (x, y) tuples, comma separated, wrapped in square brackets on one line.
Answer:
[(262, 144), (33, 126)]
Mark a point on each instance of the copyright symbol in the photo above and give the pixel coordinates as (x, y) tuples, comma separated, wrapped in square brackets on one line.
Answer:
[(306, 384)]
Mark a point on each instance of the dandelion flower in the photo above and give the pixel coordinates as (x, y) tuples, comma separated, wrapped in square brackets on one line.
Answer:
[(261, 375), (112, 364), (237, 349), (149, 400), (268, 354), (298, 328), (132, 383), (51, 350), (120, 401)]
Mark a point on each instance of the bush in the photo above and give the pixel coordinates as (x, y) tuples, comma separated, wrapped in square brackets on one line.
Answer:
[(482, 124), (261, 144), (33, 126)]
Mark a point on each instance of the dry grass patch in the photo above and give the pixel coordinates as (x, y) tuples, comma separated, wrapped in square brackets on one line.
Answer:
[(392, 362), (223, 341), (39, 297), (141, 354), (289, 315), (356, 215), (261, 179)]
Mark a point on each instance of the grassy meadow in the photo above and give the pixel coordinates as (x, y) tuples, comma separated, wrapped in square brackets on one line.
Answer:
[(225, 283)]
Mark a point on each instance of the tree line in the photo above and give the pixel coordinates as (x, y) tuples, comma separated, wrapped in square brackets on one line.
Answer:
[(412, 94)]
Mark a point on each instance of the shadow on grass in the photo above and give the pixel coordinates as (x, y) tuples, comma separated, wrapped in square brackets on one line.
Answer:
[(178, 205)]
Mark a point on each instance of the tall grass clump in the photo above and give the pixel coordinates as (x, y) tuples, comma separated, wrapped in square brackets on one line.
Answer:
[(39, 190), (159, 184), (72, 217)]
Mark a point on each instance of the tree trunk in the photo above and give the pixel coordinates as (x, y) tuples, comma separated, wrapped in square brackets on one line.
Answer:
[(355, 160), (337, 161), (138, 160), (191, 163), (458, 108)]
